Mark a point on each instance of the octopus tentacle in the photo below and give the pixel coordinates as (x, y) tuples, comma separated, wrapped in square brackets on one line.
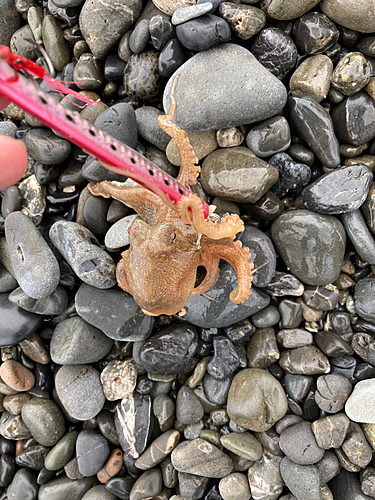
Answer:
[(147, 204), (238, 257), (190, 209), (211, 263), (189, 169), (121, 277)]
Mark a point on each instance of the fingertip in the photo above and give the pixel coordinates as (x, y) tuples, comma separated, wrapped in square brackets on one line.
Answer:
[(13, 161)]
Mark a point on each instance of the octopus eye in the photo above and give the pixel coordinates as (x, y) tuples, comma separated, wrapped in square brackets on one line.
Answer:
[(168, 234)]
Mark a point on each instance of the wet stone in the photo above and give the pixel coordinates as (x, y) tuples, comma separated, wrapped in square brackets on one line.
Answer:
[(368, 209), (225, 360), (141, 77), (260, 95), (317, 265), (118, 379), (332, 391), (244, 20), (353, 119), (45, 147), (359, 234), (360, 404), (293, 177), (171, 351), (148, 485), (76, 342), (102, 24), (98, 492), (264, 477), (100, 309), (106, 425), (262, 349), (201, 458), (307, 360), (8, 468), (246, 177), (320, 131), (356, 447), (256, 400), (346, 486), (191, 486), (119, 121), (35, 267), (95, 214), (13, 403), (290, 313), (315, 33), (171, 58), (133, 421), (120, 486), (302, 480), (92, 451), (63, 487), (352, 73), (163, 408), (243, 444), (332, 344), (13, 427), (114, 67), (161, 31), (83, 253), (343, 190), (203, 33), (62, 452), (80, 391), (269, 137), (188, 407), (330, 431), (148, 127), (235, 487), (266, 318), (312, 77), (32, 457), (44, 420)]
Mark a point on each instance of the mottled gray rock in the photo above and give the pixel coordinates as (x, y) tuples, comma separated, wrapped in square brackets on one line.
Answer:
[(56, 303), (34, 264), (364, 296), (302, 480), (44, 420), (264, 477), (80, 391), (103, 23), (358, 15), (284, 10), (75, 342), (83, 253), (10, 21), (258, 96), (101, 309), (63, 488)]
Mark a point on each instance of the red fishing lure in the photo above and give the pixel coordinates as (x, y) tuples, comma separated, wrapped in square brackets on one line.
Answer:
[(116, 156)]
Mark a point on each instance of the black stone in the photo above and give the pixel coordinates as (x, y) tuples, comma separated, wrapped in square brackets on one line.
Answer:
[(23, 486), (225, 361), (364, 371), (332, 344), (276, 51), (203, 33), (263, 254), (293, 177), (120, 486), (346, 486), (171, 351), (161, 31), (33, 457), (364, 297), (114, 68), (8, 468), (119, 122), (315, 33)]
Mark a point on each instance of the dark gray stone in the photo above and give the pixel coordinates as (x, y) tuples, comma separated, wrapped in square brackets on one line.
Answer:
[(119, 121), (148, 127), (302, 480), (188, 407), (332, 391), (10, 21), (299, 444), (44, 420), (269, 137), (203, 33), (45, 147), (23, 486), (92, 450), (346, 486), (56, 303), (63, 488), (359, 234), (140, 37), (262, 254)]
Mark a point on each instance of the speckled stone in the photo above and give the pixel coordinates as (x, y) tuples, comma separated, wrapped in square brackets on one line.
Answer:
[(352, 73), (16, 376), (34, 264), (319, 264), (184, 14), (80, 391), (259, 96), (284, 10), (256, 400), (103, 23), (264, 477), (44, 420), (303, 480), (118, 379), (92, 451), (244, 20), (312, 77), (62, 488), (141, 77), (10, 21), (358, 15), (235, 487)]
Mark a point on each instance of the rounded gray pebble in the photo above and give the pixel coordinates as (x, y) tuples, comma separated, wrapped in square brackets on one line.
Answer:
[(119, 121), (302, 480), (56, 303), (35, 267), (269, 137), (92, 451), (44, 420), (75, 342), (117, 236), (140, 37), (80, 391), (99, 492), (299, 444), (148, 127), (269, 316)]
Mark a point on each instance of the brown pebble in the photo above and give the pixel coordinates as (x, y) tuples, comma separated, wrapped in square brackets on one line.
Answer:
[(343, 282), (347, 266), (229, 137), (34, 348), (17, 376), (13, 404), (308, 313), (111, 467)]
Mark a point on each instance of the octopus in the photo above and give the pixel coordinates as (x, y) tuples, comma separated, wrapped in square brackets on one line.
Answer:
[(167, 245)]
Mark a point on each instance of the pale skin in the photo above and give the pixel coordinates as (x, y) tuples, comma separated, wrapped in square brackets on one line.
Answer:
[(13, 157), (167, 245)]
